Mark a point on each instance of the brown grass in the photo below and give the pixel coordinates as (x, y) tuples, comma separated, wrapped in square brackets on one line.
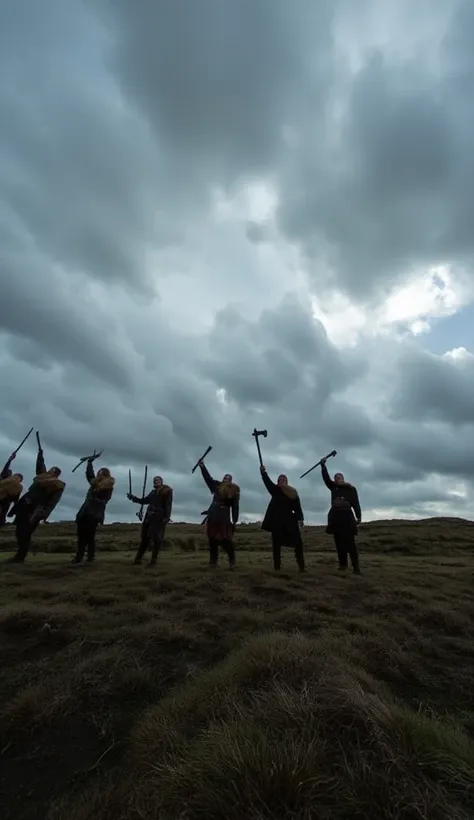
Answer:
[(177, 692)]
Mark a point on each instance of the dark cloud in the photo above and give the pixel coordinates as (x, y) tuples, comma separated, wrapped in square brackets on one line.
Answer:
[(220, 81), (394, 189), (434, 388)]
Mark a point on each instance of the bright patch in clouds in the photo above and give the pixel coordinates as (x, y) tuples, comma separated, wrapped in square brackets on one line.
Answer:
[(411, 306)]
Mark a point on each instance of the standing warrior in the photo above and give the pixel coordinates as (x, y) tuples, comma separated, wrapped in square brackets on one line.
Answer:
[(157, 516), (342, 524), (283, 518), (220, 528), (35, 505), (92, 512), (11, 489)]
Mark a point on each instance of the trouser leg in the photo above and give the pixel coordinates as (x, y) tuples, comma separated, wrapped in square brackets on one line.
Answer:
[(92, 529), (276, 550), (354, 554), (157, 541), (228, 547), (213, 552), (23, 533), (144, 539), (299, 555), (341, 546), (81, 533)]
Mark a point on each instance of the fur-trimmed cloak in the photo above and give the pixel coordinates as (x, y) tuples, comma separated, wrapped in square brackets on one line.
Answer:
[(98, 496), (223, 514), (284, 512)]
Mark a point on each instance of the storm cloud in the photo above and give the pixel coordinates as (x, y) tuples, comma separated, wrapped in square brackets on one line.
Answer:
[(236, 214)]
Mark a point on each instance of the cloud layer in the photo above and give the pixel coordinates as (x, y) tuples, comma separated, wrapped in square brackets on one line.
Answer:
[(214, 217)]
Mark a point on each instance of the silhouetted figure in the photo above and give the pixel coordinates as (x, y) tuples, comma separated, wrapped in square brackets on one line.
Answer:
[(343, 517), (283, 518), (157, 516), (35, 505), (92, 512), (222, 516)]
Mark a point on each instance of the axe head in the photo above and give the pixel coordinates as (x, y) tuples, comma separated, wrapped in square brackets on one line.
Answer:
[(263, 433)]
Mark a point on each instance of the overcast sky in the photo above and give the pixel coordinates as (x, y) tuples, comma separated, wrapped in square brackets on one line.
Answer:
[(224, 214)]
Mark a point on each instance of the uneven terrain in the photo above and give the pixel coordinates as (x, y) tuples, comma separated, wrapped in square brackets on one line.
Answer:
[(179, 692)]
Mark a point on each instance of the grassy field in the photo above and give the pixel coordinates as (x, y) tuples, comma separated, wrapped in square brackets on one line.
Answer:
[(179, 693)]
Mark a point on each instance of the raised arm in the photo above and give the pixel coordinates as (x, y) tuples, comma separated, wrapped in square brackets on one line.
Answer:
[(6, 470), (271, 487), (210, 481), (356, 504), (40, 465), (90, 474), (326, 477), (236, 508), (168, 504)]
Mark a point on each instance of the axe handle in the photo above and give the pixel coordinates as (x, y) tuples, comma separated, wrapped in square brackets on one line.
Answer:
[(38, 441), (130, 482), (22, 443), (201, 459), (259, 451), (87, 458), (329, 455)]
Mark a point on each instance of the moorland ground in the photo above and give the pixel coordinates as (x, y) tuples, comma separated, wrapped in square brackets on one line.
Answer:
[(179, 692)]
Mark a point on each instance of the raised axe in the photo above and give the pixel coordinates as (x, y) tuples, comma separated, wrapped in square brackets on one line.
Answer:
[(22, 443), (256, 434), (329, 455), (88, 458), (140, 511), (201, 459), (7, 465)]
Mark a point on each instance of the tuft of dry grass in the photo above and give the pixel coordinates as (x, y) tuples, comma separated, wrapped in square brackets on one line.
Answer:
[(184, 693)]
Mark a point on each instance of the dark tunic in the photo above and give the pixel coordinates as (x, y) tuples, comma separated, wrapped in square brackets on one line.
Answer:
[(6, 502), (226, 498), (283, 514), (96, 500), (344, 503), (160, 504), (39, 501)]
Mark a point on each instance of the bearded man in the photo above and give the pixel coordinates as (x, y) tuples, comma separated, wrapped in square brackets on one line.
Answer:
[(157, 516), (11, 488), (283, 519), (92, 512), (35, 505), (222, 516)]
